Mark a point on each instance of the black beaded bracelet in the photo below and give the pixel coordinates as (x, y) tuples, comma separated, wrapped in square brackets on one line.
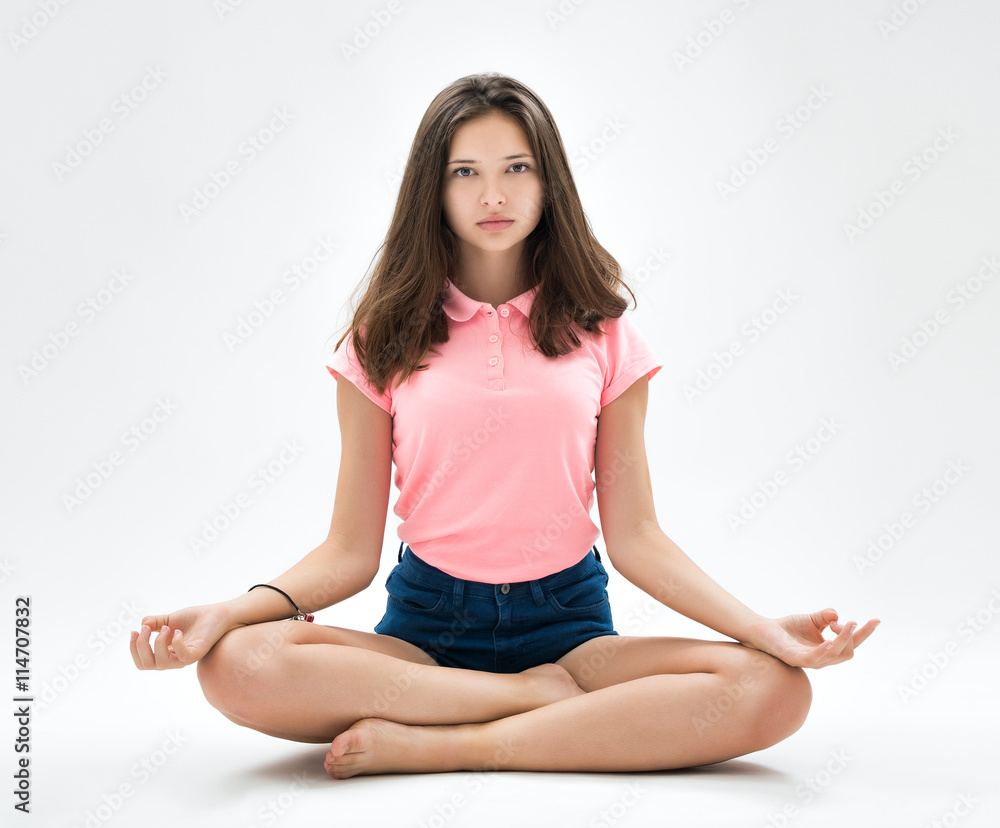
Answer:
[(301, 616)]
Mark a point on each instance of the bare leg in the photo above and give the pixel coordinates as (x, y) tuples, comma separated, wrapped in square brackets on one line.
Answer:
[(739, 702), (307, 682)]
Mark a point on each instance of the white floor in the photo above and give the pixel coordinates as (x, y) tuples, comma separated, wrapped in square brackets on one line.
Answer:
[(124, 748)]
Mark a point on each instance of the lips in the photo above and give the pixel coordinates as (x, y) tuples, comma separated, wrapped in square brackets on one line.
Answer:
[(496, 223)]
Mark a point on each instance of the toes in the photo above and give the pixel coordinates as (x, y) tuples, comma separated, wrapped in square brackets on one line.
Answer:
[(342, 771), (337, 763), (333, 763), (346, 742), (339, 767)]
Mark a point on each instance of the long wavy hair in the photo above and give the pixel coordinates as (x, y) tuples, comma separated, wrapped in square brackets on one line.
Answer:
[(400, 317)]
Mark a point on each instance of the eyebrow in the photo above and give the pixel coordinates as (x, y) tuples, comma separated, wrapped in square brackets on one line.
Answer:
[(507, 158)]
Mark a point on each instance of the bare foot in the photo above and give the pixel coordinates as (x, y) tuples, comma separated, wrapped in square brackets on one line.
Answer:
[(375, 745), (550, 683), (380, 746)]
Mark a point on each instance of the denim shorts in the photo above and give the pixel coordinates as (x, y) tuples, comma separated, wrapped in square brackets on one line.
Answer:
[(499, 628)]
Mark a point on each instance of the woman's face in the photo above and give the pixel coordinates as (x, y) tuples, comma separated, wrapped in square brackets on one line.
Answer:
[(491, 172)]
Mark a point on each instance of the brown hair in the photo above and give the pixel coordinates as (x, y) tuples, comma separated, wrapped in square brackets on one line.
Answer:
[(400, 318)]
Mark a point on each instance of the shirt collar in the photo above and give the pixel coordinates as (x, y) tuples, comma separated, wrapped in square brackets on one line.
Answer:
[(462, 308)]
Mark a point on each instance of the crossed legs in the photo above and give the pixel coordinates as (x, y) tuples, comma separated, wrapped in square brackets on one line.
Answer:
[(615, 703)]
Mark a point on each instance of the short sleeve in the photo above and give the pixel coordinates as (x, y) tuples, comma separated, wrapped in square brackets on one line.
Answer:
[(345, 363), (628, 357)]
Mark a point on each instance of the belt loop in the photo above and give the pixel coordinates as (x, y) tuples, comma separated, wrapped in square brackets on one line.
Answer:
[(458, 593), (400, 558), (597, 554), (537, 594)]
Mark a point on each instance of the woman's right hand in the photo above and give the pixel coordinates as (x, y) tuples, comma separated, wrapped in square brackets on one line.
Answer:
[(182, 637)]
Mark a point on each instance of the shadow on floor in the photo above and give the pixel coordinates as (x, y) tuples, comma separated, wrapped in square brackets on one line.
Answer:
[(309, 763)]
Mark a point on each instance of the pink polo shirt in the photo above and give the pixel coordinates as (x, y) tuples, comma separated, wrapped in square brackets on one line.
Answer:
[(494, 442)]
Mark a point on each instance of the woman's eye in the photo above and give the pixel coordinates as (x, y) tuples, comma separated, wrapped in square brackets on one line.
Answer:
[(468, 172)]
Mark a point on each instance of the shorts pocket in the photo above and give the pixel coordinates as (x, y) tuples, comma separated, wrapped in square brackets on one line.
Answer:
[(586, 596), (413, 596)]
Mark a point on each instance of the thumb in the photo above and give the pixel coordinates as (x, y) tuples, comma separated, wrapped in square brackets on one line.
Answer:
[(824, 618), (179, 647), (155, 622)]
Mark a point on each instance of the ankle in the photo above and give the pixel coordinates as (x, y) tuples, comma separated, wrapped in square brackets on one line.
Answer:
[(485, 749)]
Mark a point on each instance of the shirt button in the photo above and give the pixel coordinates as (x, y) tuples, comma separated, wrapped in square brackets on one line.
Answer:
[(505, 311), (494, 338), (494, 361), (505, 588)]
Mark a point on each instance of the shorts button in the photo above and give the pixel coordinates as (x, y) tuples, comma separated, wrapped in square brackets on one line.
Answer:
[(505, 588)]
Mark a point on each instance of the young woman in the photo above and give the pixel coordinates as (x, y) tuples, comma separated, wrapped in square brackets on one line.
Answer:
[(489, 360)]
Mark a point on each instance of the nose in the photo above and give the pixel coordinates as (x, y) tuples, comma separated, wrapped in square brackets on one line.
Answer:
[(493, 192)]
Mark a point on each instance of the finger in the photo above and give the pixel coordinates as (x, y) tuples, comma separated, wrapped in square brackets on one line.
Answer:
[(866, 631), (842, 647), (154, 622), (181, 650), (143, 650), (160, 648), (133, 650), (823, 618), (815, 657)]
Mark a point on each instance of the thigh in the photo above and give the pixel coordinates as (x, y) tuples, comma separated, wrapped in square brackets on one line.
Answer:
[(388, 644), (303, 632), (613, 659)]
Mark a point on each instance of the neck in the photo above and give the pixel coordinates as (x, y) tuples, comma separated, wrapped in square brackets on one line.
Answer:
[(490, 277)]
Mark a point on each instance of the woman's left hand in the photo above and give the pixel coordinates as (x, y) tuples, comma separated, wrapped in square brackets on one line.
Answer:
[(798, 639)]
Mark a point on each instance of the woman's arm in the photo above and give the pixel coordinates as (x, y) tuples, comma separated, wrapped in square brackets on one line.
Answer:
[(344, 564), (348, 560), (642, 552)]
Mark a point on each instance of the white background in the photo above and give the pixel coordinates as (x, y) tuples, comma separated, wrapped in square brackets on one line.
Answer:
[(658, 104)]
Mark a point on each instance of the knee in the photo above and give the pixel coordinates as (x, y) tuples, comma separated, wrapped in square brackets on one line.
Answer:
[(235, 672), (782, 697)]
